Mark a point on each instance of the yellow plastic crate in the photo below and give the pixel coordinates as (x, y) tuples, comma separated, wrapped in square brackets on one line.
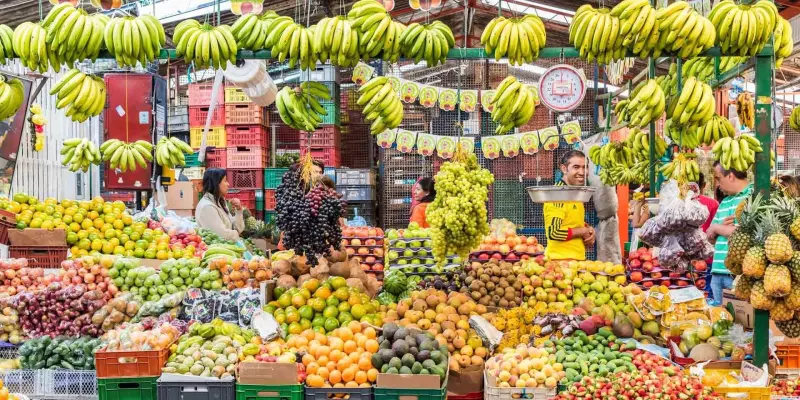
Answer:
[(215, 137), (745, 393), (235, 95)]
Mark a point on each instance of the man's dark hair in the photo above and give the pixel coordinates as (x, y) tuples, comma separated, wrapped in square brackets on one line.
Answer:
[(701, 180), (725, 172), (569, 155)]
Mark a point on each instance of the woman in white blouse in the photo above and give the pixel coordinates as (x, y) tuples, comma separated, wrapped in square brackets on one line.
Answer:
[(212, 212)]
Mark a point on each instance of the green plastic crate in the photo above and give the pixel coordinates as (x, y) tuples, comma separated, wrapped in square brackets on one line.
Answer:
[(416, 394), (269, 392), (334, 116), (273, 177), (127, 388), (270, 216), (193, 160)]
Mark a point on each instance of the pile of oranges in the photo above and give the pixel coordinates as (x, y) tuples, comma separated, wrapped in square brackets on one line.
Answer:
[(342, 359)]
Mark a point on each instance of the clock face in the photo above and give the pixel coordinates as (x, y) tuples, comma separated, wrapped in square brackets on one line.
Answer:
[(562, 88)]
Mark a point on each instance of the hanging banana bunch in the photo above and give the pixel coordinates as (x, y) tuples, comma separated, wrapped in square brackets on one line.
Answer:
[(429, 42), (514, 105), (80, 153), (683, 31), (251, 30), (715, 129), (683, 168), (794, 119), (30, 45), (6, 44), (378, 33), (638, 26), (520, 39), (639, 142), (746, 110), (72, 34), (300, 108), (337, 41), (646, 104), (205, 45), (684, 136), (171, 151), (737, 153), (131, 40), (11, 96), (744, 29), (83, 95), (381, 104), (126, 156), (291, 41), (695, 105), (784, 42)]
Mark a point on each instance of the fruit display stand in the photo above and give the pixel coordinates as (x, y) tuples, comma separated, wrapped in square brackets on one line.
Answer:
[(403, 387), (493, 392), (365, 244), (127, 389), (645, 270), (182, 387), (267, 381), (415, 260)]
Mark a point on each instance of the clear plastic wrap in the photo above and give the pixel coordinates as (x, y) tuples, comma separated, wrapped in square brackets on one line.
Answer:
[(670, 252), (696, 244)]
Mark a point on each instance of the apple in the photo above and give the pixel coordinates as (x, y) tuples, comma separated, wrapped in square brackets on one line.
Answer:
[(372, 232), (355, 242), (636, 276), (497, 256), (521, 248), (377, 267), (369, 259), (370, 242), (504, 248), (408, 253), (511, 257), (483, 257), (363, 250), (393, 255), (647, 266), (392, 234), (635, 264), (634, 255), (350, 251), (700, 265), (648, 284), (674, 275), (683, 283), (656, 275), (666, 282), (378, 251)]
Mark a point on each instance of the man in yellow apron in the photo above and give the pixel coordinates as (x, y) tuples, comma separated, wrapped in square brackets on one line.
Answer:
[(565, 224)]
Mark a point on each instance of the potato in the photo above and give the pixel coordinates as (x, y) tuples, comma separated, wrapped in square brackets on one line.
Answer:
[(286, 281), (340, 269)]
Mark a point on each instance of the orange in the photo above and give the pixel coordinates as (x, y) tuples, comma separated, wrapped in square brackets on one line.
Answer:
[(323, 360), (336, 355), (350, 347), (354, 326), (315, 380), (338, 385), (348, 375), (331, 366), (364, 364), (351, 385), (309, 334), (365, 385), (343, 364), (307, 359), (371, 346), (300, 341), (335, 377), (345, 333), (323, 351), (370, 332), (323, 372), (361, 377), (312, 368), (372, 374), (321, 338), (361, 340)]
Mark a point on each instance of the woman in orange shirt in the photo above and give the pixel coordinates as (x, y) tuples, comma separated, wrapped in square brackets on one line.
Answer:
[(424, 194)]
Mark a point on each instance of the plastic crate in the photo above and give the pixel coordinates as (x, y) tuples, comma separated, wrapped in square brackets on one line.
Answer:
[(247, 197), (215, 137), (8, 220), (234, 94), (327, 136), (273, 177), (789, 355), (247, 135), (178, 119), (211, 390), (247, 157), (746, 393), (406, 394), (496, 393), (40, 256), (130, 364), (198, 115), (127, 389), (217, 158), (193, 173), (322, 73), (246, 178), (192, 160), (330, 156), (66, 384), (269, 392), (270, 201), (334, 115), (468, 396), (365, 177), (246, 114), (338, 393), (357, 193), (200, 94)]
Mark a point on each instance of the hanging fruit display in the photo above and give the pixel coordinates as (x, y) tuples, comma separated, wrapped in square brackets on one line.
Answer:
[(744, 30), (335, 40), (381, 104), (715, 129), (683, 168), (646, 104), (429, 42), (683, 31), (695, 105), (205, 45), (29, 42), (514, 105), (11, 96), (6, 44), (80, 153), (737, 153), (126, 156), (72, 34), (131, 40), (251, 30), (746, 110), (171, 151), (300, 108), (379, 34), (83, 95), (520, 39)]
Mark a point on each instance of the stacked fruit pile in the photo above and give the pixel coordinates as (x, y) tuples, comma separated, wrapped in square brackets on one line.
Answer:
[(239, 273), (411, 250), (406, 350), (503, 243), (640, 386), (365, 245), (345, 357), (599, 354), (173, 276), (645, 270), (524, 367), (209, 350)]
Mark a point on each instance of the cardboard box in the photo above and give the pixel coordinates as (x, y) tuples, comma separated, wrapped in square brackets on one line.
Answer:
[(182, 196), (38, 237), (468, 380), (184, 213), (743, 312), (408, 381), (268, 290), (259, 373)]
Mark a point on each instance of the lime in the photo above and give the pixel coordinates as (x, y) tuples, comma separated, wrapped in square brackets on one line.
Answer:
[(331, 324), (338, 282), (306, 312), (330, 312)]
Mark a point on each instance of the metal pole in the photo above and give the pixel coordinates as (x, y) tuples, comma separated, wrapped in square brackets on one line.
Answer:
[(651, 136)]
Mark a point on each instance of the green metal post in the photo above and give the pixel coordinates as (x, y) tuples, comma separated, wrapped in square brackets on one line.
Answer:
[(651, 74), (763, 132)]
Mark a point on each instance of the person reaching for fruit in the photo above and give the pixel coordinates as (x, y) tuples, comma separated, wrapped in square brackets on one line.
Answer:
[(565, 225), (425, 193), (212, 212)]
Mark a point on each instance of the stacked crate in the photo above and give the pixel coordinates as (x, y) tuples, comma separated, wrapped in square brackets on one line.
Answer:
[(359, 145), (247, 147), (199, 108), (324, 144), (398, 174), (358, 188)]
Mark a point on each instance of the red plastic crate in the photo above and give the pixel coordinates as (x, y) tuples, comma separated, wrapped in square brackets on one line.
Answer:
[(327, 136), (198, 115), (247, 135), (330, 156), (200, 94), (270, 201), (40, 256), (247, 157), (246, 178), (130, 364), (8, 220), (247, 197), (217, 158), (246, 114)]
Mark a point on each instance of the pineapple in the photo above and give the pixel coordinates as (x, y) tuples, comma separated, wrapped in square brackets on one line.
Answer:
[(794, 266), (735, 268), (777, 281), (790, 328), (787, 208), (742, 286), (755, 262), (759, 298), (781, 312), (777, 246), (793, 299), (739, 242), (742, 238)]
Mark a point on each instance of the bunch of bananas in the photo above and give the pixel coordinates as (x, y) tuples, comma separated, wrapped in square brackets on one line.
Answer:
[(84, 95), (639, 142), (429, 42), (637, 26), (737, 153), (29, 42), (131, 40), (251, 30), (205, 45), (170, 152), (337, 41), (784, 43), (683, 168), (80, 153), (6, 43), (683, 135), (126, 156), (519, 38), (743, 29), (646, 104), (381, 104), (612, 154), (73, 34), (621, 175), (695, 105), (794, 119), (596, 35), (378, 32), (300, 108), (746, 109), (683, 31), (291, 41), (11, 96), (514, 105), (701, 68), (714, 130)]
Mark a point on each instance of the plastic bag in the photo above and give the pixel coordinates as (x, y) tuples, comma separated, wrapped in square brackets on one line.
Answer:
[(696, 245), (652, 232), (157, 208), (176, 225), (670, 252), (248, 301)]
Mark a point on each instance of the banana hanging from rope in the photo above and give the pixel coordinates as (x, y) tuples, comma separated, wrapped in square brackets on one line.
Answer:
[(171, 151), (683, 168), (744, 29), (683, 31), (83, 95), (746, 110), (646, 104), (73, 35), (429, 42), (737, 153), (79, 154), (694, 106), (336, 41), (639, 142), (684, 136), (381, 104), (251, 30), (520, 39), (301, 108), (205, 45), (135, 40), (714, 130), (377, 32), (126, 156), (514, 105), (12, 95)]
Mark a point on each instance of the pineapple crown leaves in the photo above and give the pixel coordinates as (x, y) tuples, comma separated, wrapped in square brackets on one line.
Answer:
[(747, 214), (771, 224), (785, 208)]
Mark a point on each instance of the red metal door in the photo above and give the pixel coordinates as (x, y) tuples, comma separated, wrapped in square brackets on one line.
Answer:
[(129, 118)]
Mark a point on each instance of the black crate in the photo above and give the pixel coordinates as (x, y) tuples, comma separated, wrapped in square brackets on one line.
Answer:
[(212, 390)]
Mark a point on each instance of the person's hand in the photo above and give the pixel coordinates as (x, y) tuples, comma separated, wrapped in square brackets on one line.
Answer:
[(728, 220), (236, 204), (711, 233), (588, 236)]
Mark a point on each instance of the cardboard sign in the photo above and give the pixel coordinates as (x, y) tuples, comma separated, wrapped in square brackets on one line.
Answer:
[(259, 373), (31, 237), (743, 312)]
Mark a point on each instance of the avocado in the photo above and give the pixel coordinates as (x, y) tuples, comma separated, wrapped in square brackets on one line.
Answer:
[(405, 370), (386, 344), (416, 368), (427, 345), (389, 330), (423, 355), (424, 372), (437, 356), (395, 363), (428, 364), (411, 342), (377, 360), (443, 349), (399, 334), (392, 371), (386, 355), (384, 368), (437, 370), (408, 360), (400, 348)]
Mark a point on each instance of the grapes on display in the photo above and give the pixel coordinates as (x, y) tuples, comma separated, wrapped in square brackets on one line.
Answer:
[(309, 220), (458, 214)]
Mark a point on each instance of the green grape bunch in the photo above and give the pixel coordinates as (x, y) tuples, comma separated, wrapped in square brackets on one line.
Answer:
[(458, 214)]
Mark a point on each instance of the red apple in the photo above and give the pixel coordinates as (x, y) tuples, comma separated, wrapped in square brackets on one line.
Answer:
[(636, 276), (666, 282), (647, 266), (700, 266), (635, 264), (656, 275), (378, 251), (355, 242), (674, 275), (370, 242), (363, 250), (683, 283), (504, 248), (634, 255), (369, 259), (497, 256), (483, 257)]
